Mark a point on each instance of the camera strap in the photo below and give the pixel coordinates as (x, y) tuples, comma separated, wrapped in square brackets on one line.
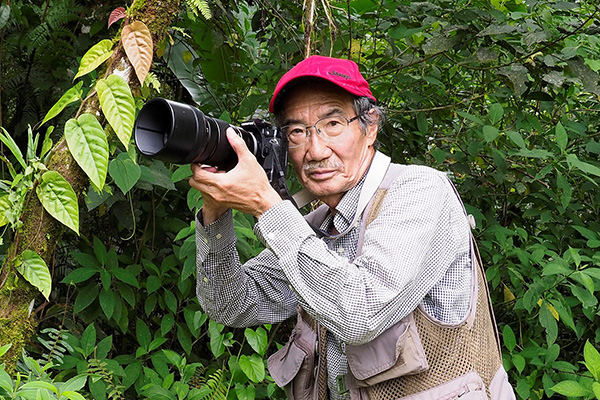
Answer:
[(279, 183)]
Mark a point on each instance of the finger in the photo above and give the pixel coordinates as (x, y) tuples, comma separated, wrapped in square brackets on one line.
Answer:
[(202, 177), (237, 143)]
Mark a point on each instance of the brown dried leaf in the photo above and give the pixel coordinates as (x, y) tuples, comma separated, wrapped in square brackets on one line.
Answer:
[(137, 42)]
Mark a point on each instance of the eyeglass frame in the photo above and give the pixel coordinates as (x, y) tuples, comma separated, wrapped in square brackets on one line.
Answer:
[(314, 126)]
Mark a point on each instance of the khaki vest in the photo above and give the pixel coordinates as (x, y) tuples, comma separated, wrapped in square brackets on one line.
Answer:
[(417, 358)]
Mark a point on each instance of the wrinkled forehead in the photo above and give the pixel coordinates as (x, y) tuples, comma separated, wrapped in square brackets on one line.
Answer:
[(319, 97)]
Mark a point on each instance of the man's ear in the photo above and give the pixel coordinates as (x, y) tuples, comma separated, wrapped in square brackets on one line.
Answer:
[(372, 127)]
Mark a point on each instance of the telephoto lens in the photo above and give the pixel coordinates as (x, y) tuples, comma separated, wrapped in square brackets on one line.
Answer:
[(182, 134)]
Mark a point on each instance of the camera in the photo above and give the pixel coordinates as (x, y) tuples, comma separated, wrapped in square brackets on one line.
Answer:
[(180, 133)]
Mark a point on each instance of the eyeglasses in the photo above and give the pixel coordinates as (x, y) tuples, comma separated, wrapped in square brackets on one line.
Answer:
[(327, 128)]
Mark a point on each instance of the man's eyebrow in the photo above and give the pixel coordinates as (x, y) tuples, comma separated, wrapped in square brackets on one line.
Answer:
[(291, 121), (333, 111)]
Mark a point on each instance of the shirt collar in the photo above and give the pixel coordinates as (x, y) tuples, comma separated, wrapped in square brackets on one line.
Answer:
[(345, 209)]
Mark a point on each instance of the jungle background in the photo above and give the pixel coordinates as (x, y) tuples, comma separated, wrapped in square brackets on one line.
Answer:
[(97, 286)]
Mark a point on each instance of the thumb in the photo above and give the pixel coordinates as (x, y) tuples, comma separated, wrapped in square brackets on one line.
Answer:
[(237, 143)]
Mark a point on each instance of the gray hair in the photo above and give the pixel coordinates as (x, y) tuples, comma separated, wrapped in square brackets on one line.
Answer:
[(369, 113)]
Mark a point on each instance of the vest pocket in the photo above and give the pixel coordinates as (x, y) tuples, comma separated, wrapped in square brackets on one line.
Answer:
[(465, 387), (396, 352), (293, 366)]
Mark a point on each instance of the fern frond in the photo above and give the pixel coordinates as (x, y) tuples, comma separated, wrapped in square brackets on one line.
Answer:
[(55, 341), (62, 12), (38, 37), (100, 369), (212, 387), (64, 34), (201, 6), (152, 81), (218, 386)]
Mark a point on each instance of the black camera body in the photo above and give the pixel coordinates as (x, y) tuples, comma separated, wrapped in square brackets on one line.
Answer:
[(182, 134)]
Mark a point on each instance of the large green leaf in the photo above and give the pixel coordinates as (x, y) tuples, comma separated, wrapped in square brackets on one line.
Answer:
[(117, 105), (79, 275), (157, 175), (592, 359), (75, 383), (181, 60), (574, 161), (107, 302), (88, 340), (217, 346), (548, 321), (70, 96), (561, 137), (184, 337), (508, 337), (35, 271), (132, 372), (516, 138), (143, 334), (253, 367), (570, 389), (88, 145), (496, 112), (59, 199), (125, 172), (85, 297), (95, 56), (257, 339), (490, 133)]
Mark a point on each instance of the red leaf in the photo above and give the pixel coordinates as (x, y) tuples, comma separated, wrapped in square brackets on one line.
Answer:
[(117, 14)]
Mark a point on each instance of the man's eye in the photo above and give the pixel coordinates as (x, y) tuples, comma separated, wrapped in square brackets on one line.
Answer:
[(333, 123), (295, 131)]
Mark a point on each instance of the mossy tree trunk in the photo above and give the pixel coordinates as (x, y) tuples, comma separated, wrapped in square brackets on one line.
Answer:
[(40, 231)]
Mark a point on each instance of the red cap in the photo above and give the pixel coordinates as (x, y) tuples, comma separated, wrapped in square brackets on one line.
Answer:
[(343, 73)]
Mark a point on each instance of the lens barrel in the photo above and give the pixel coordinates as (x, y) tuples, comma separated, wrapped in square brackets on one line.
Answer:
[(182, 134)]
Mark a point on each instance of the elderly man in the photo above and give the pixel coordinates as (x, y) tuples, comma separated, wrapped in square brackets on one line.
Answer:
[(383, 278)]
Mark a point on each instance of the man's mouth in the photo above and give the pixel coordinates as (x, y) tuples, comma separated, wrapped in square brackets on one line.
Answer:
[(321, 174)]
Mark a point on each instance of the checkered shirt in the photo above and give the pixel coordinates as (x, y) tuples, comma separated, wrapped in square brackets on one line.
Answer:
[(416, 252)]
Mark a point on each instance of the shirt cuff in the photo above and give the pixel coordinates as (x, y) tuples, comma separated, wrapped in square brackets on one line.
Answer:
[(217, 235), (282, 228)]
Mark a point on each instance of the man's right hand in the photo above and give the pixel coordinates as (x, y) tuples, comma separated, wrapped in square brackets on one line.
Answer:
[(245, 188)]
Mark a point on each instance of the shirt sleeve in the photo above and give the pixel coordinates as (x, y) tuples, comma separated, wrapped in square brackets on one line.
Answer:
[(418, 235), (233, 293)]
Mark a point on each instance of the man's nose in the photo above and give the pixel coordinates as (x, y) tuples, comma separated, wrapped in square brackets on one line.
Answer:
[(318, 145)]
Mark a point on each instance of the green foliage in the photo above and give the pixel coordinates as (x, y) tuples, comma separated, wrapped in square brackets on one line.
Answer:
[(72, 95), (41, 40), (199, 6), (33, 381), (94, 57), (117, 105), (34, 269), (501, 95), (88, 144), (59, 199)]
